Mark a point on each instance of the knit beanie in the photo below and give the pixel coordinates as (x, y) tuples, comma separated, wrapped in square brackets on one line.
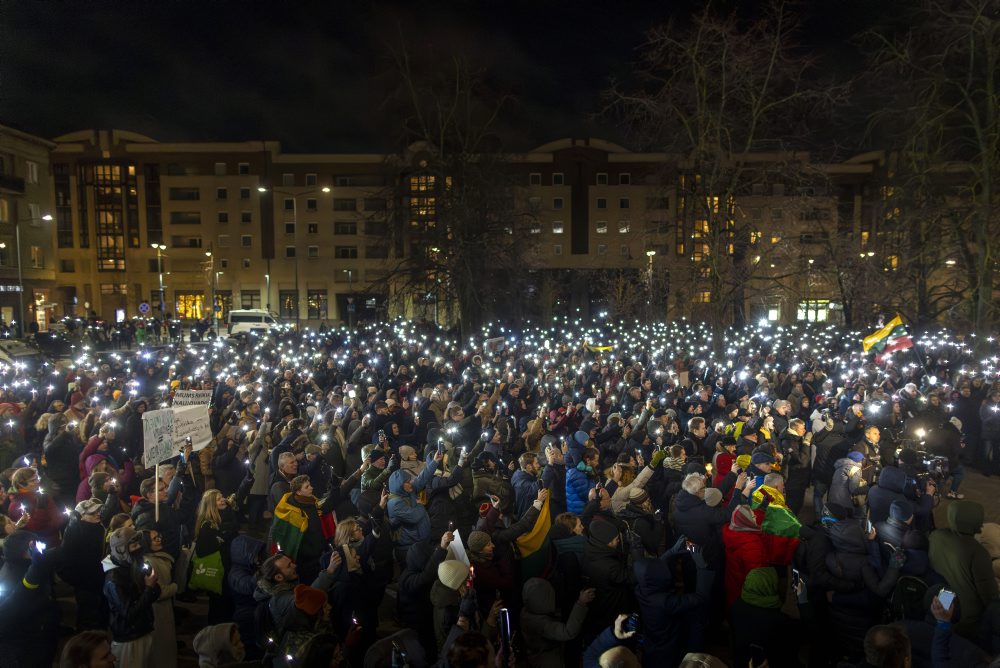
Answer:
[(856, 457), (712, 496), (309, 599), (452, 573), (743, 461), (405, 452), (761, 458), (478, 540), (603, 532)]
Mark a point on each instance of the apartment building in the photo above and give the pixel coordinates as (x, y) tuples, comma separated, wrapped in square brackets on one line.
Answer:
[(27, 263)]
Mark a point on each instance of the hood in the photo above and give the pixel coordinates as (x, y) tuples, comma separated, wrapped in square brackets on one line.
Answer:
[(213, 646), (965, 517), (844, 462), (892, 478), (94, 459), (686, 501), (396, 481), (539, 597), (246, 551), (652, 576), (849, 536)]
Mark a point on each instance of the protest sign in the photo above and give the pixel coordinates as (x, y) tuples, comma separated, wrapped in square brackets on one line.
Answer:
[(456, 549), (164, 431), (192, 397)]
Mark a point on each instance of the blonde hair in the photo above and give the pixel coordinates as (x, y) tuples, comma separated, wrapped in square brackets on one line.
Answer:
[(345, 531), (21, 477), (208, 511)]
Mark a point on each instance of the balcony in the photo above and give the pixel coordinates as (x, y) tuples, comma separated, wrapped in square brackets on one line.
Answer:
[(11, 184)]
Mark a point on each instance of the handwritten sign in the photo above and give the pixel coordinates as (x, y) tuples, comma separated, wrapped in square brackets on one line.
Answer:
[(192, 397), (164, 432)]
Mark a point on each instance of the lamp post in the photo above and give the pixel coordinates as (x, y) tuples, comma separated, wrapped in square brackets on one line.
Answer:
[(211, 281), (267, 296), (649, 280), (295, 223), (159, 265)]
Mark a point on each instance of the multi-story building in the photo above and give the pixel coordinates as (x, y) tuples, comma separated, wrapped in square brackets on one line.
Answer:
[(27, 263), (316, 237)]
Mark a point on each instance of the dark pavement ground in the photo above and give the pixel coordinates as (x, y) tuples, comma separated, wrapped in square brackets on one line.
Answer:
[(976, 487)]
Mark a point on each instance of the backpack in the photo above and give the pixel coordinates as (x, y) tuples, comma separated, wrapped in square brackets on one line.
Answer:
[(907, 599)]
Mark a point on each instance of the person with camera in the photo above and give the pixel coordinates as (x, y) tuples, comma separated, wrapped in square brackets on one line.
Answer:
[(797, 450), (946, 441)]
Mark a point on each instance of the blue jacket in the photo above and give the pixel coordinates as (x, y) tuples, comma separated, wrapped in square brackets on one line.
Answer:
[(405, 513), (578, 485), (526, 488)]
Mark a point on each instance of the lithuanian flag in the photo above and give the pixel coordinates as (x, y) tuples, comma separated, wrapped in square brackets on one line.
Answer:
[(534, 545), (778, 519), (291, 523), (889, 339), (597, 349)]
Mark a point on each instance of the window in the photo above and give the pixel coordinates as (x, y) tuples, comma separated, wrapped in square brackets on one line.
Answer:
[(602, 202), (223, 263), (375, 204), (312, 251), (623, 227), (249, 298), (246, 241), (344, 227), (623, 203), (223, 218), (289, 251), (243, 168), (310, 204), (310, 179), (288, 303), (185, 218), (602, 227), (345, 204), (67, 266), (189, 305), (223, 241), (623, 251), (345, 252), (34, 214), (220, 169), (535, 179), (288, 179), (312, 228), (704, 272), (702, 297), (558, 179), (114, 289), (777, 214), (557, 227), (246, 217), (244, 193), (624, 179), (31, 172), (891, 262), (289, 228), (536, 228), (37, 257), (557, 203), (557, 249), (814, 310), (185, 194), (246, 263), (222, 193), (288, 204), (4, 211), (316, 304), (602, 178), (602, 249)]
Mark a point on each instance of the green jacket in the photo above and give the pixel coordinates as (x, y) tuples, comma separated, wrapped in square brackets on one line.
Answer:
[(964, 563), (373, 478)]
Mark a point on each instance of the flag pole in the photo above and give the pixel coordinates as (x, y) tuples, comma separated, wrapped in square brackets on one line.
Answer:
[(156, 486)]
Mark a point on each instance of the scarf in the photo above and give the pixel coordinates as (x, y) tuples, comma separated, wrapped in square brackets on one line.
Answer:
[(744, 520), (760, 589), (773, 497), (675, 463), (412, 466)]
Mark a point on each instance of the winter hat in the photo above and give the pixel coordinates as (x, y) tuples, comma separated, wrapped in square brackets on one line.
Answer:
[(377, 454), (603, 532), (313, 449), (956, 423), (452, 573), (406, 452), (119, 542), (637, 496), (88, 507), (309, 599), (478, 540), (614, 418), (693, 483), (743, 519), (743, 461), (901, 510), (712, 496), (761, 458), (695, 467), (856, 457), (581, 438)]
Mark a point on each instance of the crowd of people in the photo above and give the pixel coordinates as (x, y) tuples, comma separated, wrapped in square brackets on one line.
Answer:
[(390, 497)]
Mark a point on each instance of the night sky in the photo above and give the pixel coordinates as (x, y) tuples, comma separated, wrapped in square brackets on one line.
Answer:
[(315, 75)]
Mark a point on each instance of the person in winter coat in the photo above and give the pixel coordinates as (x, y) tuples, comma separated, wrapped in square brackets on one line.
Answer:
[(543, 630), (892, 486), (220, 646), (989, 415), (25, 497), (163, 653), (606, 567), (946, 441), (144, 513), (246, 556), (700, 515), (82, 551), (132, 588), (964, 563), (415, 580), (796, 449), (525, 482), (897, 533), (848, 484), (580, 479), (638, 516), (671, 623), (446, 596), (29, 615), (302, 525), (407, 516), (228, 468), (747, 547), (760, 629), (259, 467), (554, 479), (62, 453), (447, 497)]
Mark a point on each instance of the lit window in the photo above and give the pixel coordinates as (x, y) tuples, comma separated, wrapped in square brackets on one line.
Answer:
[(602, 227), (892, 262), (623, 227), (702, 297), (189, 305), (423, 183), (557, 227), (705, 272), (755, 236), (775, 237)]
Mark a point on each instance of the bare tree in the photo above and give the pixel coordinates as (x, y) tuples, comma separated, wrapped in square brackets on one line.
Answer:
[(710, 94)]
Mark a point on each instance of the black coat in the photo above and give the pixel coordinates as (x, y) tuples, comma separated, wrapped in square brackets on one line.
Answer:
[(796, 460), (702, 524), (665, 614), (607, 570), (131, 605), (891, 482), (82, 551), (422, 560), (169, 526), (769, 629)]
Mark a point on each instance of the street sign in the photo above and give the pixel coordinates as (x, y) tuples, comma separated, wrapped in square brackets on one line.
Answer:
[(144, 308), (350, 308)]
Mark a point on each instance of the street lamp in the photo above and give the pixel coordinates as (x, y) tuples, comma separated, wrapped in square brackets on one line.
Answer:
[(295, 223), (211, 277)]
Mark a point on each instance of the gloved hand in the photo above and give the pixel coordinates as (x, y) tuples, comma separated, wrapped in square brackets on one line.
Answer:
[(699, 558), (679, 546), (657, 458), (394, 463)]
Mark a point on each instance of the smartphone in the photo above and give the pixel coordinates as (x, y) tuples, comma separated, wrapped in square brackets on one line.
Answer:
[(946, 597), (796, 578), (441, 446), (632, 623), (868, 525), (451, 526)]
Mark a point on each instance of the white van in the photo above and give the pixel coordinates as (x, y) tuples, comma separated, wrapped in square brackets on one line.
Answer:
[(248, 321)]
